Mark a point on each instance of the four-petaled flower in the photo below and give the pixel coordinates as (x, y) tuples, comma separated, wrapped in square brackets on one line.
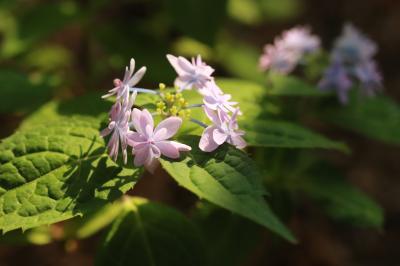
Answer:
[(119, 127), (195, 74), (121, 89), (223, 130), (149, 143)]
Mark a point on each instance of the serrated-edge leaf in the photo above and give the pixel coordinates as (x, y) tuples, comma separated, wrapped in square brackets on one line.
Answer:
[(55, 171), (284, 134), (229, 179)]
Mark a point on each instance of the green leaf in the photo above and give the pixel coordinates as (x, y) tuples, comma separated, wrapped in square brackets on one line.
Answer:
[(44, 19), (227, 178), (57, 170), (342, 201), (36, 236), (240, 59), (282, 134), (223, 231), (90, 105), (19, 94), (286, 85), (91, 223), (377, 118), (188, 17), (148, 233)]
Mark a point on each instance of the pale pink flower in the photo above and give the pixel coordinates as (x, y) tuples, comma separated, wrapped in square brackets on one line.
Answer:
[(119, 127), (121, 89), (190, 74), (215, 99), (222, 130), (278, 59), (288, 50), (299, 40), (149, 143)]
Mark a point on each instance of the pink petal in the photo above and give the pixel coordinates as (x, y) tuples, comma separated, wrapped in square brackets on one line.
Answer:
[(173, 60), (219, 136), (238, 141), (152, 165), (141, 156), (134, 138), (135, 116), (185, 65), (167, 128), (146, 123), (168, 149), (213, 116), (207, 142), (155, 151), (181, 146), (137, 77)]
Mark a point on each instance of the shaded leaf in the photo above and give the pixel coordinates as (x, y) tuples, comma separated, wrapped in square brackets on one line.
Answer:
[(274, 133), (19, 94), (148, 233), (223, 231), (188, 17), (342, 201), (377, 118)]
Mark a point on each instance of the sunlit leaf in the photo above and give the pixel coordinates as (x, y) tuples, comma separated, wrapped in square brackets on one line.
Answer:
[(227, 178)]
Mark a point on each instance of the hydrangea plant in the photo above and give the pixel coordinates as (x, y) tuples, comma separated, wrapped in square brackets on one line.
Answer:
[(234, 143)]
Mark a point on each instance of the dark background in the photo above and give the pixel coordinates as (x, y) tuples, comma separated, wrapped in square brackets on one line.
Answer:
[(84, 50)]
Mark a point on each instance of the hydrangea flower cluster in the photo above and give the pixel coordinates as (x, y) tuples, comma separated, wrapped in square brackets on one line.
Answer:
[(289, 50), (133, 128), (352, 60)]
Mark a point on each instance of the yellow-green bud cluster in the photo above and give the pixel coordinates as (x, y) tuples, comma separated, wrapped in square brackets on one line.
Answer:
[(172, 103)]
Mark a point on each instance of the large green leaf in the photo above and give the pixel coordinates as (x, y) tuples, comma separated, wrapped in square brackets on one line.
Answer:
[(57, 170), (223, 231), (151, 234), (188, 16), (227, 178), (18, 93), (91, 223), (377, 118), (286, 85), (282, 134), (342, 201)]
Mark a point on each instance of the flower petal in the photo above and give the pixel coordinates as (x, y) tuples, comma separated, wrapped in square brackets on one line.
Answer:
[(167, 128), (146, 123), (238, 141), (168, 149), (137, 77), (173, 60), (207, 142), (141, 156), (219, 136)]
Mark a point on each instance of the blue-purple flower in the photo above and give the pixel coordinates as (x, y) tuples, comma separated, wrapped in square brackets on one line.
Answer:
[(352, 61)]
